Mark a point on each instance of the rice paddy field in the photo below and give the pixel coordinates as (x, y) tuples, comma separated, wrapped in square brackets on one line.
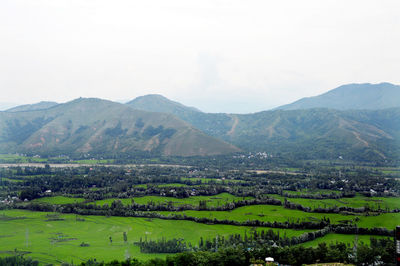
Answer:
[(59, 200), (269, 213), (54, 238), (212, 201), (358, 201), (336, 238), (57, 239)]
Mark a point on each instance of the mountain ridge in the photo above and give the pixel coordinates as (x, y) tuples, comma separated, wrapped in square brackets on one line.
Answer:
[(32, 107), (91, 125), (171, 129), (356, 96), (159, 103), (321, 132)]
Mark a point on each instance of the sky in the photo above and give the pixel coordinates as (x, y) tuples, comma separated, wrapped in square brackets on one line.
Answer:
[(236, 56)]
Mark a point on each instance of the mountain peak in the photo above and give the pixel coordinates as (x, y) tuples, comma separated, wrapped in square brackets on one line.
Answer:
[(96, 126), (161, 104), (354, 96), (33, 107)]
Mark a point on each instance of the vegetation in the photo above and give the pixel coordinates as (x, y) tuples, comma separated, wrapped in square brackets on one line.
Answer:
[(55, 238), (149, 212)]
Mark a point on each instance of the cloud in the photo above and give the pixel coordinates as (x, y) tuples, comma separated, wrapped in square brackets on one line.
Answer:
[(215, 54)]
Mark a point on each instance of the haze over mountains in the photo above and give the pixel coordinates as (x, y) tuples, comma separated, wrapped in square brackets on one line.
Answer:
[(352, 97), (361, 122), (5, 105), (32, 107), (103, 127)]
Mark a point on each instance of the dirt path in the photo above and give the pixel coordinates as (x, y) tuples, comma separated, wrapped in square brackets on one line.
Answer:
[(275, 172), (235, 123)]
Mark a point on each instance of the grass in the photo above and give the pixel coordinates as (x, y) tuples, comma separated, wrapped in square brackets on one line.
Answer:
[(59, 200), (13, 158), (387, 220), (213, 201), (355, 202), (140, 186), (58, 241), (335, 238), (172, 185), (266, 213), (10, 179), (313, 191), (207, 180), (269, 213)]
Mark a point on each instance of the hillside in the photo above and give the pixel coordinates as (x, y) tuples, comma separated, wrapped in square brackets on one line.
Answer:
[(102, 127), (352, 97), (159, 103), (32, 107), (320, 133), (310, 133), (208, 122), (6, 105)]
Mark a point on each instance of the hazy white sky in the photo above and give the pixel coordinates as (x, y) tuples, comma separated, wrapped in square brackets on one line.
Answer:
[(217, 55)]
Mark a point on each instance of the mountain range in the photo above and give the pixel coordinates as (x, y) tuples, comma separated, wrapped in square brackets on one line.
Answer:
[(98, 126), (352, 97), (32, 107), (355, 121)]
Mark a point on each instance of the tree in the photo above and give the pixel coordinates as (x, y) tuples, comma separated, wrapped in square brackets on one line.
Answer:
[(125, 237)]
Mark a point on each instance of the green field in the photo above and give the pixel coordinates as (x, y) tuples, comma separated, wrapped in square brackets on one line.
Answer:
[(312, 192), (12, 158), (269, 213), (58, 200), (58, 241), (206, 180), (10, 179), (387, 220), (335, 238), (55, 238), (355, 202), (213, 201), (172, 185)]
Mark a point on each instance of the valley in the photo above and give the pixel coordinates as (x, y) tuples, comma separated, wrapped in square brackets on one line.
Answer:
[(154, 182), (86, 209)]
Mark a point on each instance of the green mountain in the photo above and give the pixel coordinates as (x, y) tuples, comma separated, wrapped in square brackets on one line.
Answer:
[(210, 123), (32, 107), (161, 104), (352, 96), (310, 133), (103, 127), (319, 133)]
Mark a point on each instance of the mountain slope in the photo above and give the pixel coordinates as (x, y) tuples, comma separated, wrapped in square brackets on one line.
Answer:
[(310, 133), (161, 104), (207, 122), (32, 107), (352, 96), (5, 105), (320, 133), (102, 127)]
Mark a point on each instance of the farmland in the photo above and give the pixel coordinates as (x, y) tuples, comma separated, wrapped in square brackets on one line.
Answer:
[(217, 200), (52, 241), (68, 214), (58, 200), (355, 202)]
